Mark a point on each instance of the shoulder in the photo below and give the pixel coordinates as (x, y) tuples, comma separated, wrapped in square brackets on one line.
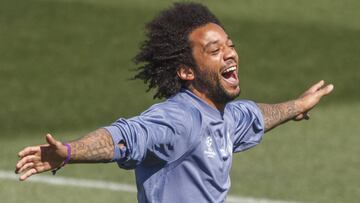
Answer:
[(170, 108), (241, 104), (242, 107), (175, 113)]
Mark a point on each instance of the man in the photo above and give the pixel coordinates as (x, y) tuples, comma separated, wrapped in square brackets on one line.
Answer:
[(181, 149)]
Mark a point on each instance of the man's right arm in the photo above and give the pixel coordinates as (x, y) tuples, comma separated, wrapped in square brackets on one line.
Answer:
[(94, 147)]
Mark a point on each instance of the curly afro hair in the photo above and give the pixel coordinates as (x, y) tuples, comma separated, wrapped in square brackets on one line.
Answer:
[(167, 47)]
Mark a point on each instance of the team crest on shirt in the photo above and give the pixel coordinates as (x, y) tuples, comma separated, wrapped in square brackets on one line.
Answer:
[(209, 150)]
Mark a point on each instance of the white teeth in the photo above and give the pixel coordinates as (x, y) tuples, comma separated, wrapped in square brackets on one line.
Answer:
[(232, 68)]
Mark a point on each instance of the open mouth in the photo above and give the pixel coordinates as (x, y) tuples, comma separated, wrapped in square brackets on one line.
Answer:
[(230, 75)]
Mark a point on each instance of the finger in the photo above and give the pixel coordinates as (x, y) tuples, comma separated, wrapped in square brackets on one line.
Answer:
[(27, 159), (317, 86), (51, 140), (29, 151), (302, 116), (28, 174), (325, 90), (40, 169), (25, 167), (299, 117)]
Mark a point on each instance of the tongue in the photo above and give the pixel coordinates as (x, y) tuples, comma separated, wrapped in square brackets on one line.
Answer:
[(227, 75), (231, 77)]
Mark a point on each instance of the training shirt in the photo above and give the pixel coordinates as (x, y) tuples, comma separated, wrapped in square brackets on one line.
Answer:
[(181, 149)]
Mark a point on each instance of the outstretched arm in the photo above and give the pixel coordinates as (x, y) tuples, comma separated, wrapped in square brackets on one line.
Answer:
[(276, 114), (94, 147)]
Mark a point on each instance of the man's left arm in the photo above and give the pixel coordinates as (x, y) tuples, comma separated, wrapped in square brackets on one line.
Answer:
[(276, 114)]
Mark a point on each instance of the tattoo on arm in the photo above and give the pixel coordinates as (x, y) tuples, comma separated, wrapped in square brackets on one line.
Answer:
[(94, 147), (276, 114)]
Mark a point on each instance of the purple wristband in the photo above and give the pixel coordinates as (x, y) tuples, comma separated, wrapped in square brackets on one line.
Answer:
[(66, 160), (68, 154)]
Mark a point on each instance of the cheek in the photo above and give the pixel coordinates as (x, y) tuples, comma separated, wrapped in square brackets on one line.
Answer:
[(200, 60), (215, 62), (208, 63), (237, 56)]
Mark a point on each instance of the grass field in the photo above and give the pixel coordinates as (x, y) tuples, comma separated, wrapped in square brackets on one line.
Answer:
[(65, 68)]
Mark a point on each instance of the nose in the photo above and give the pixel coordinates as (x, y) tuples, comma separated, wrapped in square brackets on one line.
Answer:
[(230, 53)]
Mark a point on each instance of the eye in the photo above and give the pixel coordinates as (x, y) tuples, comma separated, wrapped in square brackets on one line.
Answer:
[(214, 52), (230, 43)]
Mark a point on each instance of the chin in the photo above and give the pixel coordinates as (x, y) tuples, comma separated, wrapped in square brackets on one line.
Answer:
[(234, 93), (224, 96)]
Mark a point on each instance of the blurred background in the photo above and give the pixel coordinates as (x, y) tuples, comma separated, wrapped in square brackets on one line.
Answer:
[(66, 68)]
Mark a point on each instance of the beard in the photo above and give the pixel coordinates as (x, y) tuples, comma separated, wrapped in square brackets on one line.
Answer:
[(209, 83)]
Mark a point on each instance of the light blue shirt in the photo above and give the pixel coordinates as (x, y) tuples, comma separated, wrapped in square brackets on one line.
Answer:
[(181, 149)]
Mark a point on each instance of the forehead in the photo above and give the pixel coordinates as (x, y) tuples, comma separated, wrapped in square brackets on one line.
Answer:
[(210, 32)]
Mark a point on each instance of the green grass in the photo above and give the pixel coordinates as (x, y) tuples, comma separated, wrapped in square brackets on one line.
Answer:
[(73, 60), (16, 192), (65, 68)]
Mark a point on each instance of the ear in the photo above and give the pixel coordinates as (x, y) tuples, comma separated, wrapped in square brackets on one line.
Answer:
[(185, 73)]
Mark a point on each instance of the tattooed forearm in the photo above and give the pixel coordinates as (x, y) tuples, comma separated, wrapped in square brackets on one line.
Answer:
[(275, 114), (94, 147)]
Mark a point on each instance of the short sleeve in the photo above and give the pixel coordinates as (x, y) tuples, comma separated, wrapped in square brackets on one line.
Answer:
[(248, 124), (162, 132)]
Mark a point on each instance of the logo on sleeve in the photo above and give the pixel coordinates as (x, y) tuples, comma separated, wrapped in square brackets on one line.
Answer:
[(209, 151)]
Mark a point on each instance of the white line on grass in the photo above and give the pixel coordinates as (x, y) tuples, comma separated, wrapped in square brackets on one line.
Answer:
[(87, 183)]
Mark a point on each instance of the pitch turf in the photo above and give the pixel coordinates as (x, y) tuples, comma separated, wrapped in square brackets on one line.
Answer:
[(65, 68)]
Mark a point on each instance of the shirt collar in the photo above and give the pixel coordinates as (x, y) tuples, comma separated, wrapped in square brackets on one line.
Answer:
[(197, 101)]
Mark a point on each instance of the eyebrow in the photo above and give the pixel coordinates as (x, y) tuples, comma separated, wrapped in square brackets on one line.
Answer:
[(209, 44)]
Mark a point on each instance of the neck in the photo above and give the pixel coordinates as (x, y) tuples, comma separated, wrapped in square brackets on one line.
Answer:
[(206, 99)]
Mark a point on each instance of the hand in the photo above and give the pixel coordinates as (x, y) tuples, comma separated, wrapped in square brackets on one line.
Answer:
[(311, 97), (41, 158)]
